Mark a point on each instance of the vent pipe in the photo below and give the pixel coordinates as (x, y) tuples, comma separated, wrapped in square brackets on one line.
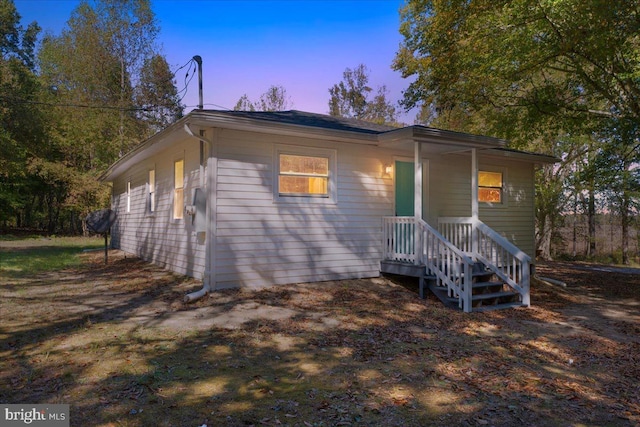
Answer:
[(198, 60)]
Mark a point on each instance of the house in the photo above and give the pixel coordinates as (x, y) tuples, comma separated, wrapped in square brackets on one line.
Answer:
[(249, 199)]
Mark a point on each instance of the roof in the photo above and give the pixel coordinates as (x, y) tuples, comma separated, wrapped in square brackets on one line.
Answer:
[(294, 122), (302, 118)]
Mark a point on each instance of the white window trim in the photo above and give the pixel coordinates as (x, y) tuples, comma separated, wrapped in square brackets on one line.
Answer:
[(129, 196), (151, 192), (173, 189), (300, 150), (505, 179)]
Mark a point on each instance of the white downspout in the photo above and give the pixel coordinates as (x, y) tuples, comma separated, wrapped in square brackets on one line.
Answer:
[(206, 280)]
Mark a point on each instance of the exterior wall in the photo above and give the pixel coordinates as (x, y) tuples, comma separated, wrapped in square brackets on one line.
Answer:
[(157, 237), (450, 196), (261, 239), (264, 240)]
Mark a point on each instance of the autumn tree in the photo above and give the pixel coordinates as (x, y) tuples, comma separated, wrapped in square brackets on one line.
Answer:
[(351, 98)]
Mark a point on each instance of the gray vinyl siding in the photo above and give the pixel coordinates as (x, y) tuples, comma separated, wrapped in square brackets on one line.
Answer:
[(156, 237), (450, 196), (264, 241), (259, 239), (516, 219)]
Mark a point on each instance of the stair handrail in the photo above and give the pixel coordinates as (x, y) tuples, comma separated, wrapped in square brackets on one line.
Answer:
[(483, 243), (449, 264), (514, 270)]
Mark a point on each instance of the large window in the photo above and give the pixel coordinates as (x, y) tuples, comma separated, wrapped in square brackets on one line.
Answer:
[(490, 187), (178, 189), (152, 190), (306, 176)]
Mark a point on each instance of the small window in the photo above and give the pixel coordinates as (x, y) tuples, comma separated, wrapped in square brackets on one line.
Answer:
[(128, 196), (178, 189), (490, 187), (306, 176), (152, 190)]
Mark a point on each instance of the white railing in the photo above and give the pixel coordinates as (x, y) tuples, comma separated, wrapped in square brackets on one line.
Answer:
[(484, 244), (399, 239), (409, 239)]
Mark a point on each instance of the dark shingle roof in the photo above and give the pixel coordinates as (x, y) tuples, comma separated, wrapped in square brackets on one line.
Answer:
[(302, 118)]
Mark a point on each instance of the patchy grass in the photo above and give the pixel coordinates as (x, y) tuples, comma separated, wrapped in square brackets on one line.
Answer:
[(38, 254), (118, 345)]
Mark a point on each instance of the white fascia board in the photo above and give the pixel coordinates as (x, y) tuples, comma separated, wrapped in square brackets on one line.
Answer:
[(538, 159), (441, 137)]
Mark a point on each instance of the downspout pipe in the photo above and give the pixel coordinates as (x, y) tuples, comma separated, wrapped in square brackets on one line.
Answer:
[(206, 280)]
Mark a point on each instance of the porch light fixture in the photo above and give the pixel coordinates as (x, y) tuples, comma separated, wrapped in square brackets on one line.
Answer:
[(388, 170)]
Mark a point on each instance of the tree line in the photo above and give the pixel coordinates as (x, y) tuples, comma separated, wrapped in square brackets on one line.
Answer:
[(72, 104), (562, 78)]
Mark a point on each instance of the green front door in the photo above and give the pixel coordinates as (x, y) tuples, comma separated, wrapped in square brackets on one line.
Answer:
[(405, 185)]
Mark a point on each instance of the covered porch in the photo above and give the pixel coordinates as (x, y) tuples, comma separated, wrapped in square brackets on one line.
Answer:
[(462, 260)]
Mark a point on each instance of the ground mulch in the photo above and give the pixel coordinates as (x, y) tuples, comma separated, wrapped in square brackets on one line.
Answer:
[(117, 343)]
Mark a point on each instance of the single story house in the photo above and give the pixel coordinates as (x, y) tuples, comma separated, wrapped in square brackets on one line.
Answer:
[(250, 199)]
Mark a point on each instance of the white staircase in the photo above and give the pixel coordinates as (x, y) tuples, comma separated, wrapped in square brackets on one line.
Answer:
[(467, 265)]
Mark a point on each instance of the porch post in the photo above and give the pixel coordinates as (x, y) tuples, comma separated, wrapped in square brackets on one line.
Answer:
[(417, 199), (475, 210)]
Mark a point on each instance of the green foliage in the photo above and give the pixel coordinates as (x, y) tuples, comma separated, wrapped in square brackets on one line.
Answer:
[(350, 98), (572, 60), (274, 99), (547, 75), (98, 89), (156, 94)]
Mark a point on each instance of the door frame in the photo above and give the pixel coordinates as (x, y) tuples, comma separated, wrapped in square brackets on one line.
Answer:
[(425, 183)]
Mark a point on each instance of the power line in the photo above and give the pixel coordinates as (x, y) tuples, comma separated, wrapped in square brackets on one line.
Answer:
[(71, 105)]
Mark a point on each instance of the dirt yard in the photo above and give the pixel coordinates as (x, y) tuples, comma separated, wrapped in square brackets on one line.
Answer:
[(117, 343)]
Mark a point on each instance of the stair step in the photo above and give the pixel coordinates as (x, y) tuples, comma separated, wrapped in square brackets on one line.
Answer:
[(480, 285), (441, 292), (498, 306), (486, 274), (493, 295)]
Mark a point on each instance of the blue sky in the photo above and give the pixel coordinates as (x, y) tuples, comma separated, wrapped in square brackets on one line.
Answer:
[(247, 46)]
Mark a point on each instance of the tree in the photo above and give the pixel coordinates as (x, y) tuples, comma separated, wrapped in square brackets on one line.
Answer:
[(274, 99), (69, 110), (541, 57), (22, 123), (244, 104), (350, 98), (525, 71), (156, 94)]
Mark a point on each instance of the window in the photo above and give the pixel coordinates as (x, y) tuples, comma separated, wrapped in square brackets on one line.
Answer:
[(303, 175), (128, 196), (178, 189), (152, 190), (490, 187)]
